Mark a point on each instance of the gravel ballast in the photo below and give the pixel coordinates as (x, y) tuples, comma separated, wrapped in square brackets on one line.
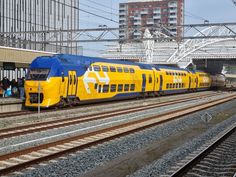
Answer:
[(79, 163)]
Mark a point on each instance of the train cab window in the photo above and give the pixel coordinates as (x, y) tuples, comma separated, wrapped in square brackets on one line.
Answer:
[(37, 74), (150, 79), (96, 68), (112, 69), (104, 68), (132, 87), (120, 88), (119, 70), (126, 70), (126, 88), (105, 88), (113, 88), (167, 86), (131, 70)]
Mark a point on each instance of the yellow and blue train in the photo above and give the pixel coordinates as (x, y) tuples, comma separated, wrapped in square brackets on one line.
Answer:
[(69, 79)]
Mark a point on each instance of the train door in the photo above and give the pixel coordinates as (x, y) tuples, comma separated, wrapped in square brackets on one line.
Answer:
[(144, 82), (190, 82), (161, 82), (72, 83)]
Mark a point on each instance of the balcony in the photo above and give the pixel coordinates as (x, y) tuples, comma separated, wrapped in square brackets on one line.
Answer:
[(157, 16), (157, 11), (172, 4), (122, 12), (137, 18), (150, 22), (137, 22), (144, 12), (137, 33)]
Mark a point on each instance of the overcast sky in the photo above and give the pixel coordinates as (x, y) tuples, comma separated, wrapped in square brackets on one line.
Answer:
[(196, 11)]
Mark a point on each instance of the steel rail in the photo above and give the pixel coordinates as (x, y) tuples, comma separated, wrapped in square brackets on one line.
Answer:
[(200, 156), (43, 126), (26, 157)]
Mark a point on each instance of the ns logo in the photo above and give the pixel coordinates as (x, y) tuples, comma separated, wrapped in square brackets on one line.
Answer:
[(93, 78)]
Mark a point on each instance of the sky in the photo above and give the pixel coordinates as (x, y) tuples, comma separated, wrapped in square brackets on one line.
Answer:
[(196, 11)]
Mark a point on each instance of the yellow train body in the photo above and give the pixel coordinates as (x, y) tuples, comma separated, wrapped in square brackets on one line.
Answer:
[(105, 80)]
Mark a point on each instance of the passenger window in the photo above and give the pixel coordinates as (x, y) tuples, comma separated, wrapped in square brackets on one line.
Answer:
[(96, 68), (170, 85), (105, 88), (112, 69), (99, 89), (167, 85), (132, 87), (90, 68), (157, 80), (131, 70), (150, 79), (120, 88), (104, 68), (126, 70), (113, 88), (167, 73), (95, 86), (126, 87), (182, 85), (119, 70), (173, 85)]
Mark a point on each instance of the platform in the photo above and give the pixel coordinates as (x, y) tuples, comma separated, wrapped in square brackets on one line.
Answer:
[(10, 104)]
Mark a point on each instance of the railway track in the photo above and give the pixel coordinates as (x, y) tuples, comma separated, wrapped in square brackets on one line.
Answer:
[(43, 126), (20, 159), (27, 112), (215, 158)]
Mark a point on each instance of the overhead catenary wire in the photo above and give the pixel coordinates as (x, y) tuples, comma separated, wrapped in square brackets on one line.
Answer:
[(85, 11), (111, 13), (102, 5)]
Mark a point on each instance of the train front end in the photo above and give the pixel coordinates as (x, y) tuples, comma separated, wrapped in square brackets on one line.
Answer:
[(42, 85)]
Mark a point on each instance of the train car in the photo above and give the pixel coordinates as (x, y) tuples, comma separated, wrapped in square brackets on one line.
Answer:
[(69, 79), (203, 80), (218, 81), (172, 80)]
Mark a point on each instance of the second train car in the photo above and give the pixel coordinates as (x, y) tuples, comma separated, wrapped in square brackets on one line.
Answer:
[(70, 79)]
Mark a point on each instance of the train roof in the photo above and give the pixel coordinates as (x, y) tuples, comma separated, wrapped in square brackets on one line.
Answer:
[(84, 60)]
